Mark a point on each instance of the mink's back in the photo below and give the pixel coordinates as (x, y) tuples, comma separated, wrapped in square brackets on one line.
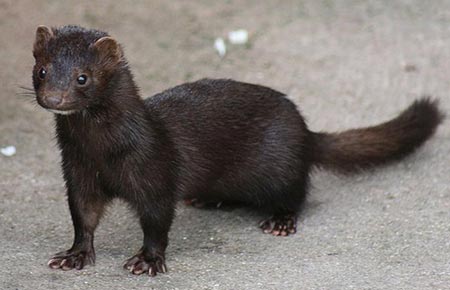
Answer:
[(232, 135)]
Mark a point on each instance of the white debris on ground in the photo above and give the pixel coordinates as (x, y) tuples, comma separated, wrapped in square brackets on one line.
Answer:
[(219, 45), (8, 150), (238, 36)]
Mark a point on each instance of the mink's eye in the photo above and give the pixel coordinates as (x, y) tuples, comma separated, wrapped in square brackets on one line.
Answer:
[(82, 79), (42, 73)]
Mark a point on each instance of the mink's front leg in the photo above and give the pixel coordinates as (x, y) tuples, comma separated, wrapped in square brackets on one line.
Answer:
[(150, 258), (86, 210)]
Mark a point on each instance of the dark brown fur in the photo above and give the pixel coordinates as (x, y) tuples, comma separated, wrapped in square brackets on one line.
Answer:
[(362, 148), (206, 142)]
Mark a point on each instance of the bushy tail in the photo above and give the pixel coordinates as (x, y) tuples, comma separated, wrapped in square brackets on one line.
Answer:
[(362, 148)]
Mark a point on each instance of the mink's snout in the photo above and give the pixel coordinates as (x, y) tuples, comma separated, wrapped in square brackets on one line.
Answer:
[(53, 101), (57, 101)]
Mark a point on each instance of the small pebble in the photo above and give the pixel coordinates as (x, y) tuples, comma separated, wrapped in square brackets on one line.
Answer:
[(410, 68), (8, 151), (238, 36), (219, 45)]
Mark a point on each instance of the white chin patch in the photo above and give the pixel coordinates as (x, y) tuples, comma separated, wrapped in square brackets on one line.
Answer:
[(68, 112)]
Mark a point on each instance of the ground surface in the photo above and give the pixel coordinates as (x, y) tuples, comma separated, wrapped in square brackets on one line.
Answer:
[(346, 63)]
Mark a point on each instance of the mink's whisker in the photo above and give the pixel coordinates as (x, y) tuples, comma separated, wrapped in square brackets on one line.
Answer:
[(26, 88)]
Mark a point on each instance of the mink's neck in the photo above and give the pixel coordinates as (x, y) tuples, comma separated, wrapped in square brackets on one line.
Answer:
[(118, 96)]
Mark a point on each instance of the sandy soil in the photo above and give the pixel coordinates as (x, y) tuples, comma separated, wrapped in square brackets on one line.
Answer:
[(346, 63)]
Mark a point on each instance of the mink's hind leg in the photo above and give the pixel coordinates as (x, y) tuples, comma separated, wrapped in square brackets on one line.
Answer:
[(280, 224), (197, 203), (204, 201), (200, 203), (284, 204), (285, 208)]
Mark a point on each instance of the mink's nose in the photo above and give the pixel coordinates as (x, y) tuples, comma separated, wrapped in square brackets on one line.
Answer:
[(53, 101)]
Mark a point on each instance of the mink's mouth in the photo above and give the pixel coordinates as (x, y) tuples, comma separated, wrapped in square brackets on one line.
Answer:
[(61, 107), (62, 112)]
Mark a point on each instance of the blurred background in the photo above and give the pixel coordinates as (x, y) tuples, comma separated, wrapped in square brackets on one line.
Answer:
[(345, 63)]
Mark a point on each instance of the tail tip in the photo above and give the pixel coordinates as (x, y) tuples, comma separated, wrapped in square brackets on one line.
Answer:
[(428, 109)]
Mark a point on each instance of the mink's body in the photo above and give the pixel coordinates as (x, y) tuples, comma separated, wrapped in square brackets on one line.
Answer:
[(221, 129), (206, 142)]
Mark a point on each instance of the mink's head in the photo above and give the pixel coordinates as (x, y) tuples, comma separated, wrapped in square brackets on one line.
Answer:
[(74, 67)]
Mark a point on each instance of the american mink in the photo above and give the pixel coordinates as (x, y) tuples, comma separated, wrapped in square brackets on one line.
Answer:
[(205, 142)]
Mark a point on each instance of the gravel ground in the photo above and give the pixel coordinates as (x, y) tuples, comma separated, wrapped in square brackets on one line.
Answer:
[(346, 63)]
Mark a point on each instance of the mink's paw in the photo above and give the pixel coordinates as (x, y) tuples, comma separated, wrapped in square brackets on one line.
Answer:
[(198, 203), (194, 202), (280, 225), (138, 264), (72, 259)]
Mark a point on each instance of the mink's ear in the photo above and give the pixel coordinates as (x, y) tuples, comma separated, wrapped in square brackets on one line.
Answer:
[(43, 36), (108, 51)]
